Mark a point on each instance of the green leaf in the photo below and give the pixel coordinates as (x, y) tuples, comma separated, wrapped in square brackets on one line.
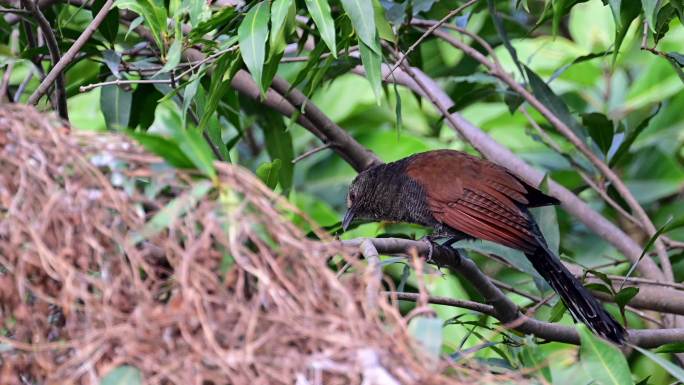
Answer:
[(218, 19), (383, 26), (320, 13), (252, 37), (194, 146), (665, 15), (533, 357), (557, 311), (362, 16), (668, 226), (503, 35), (169, 150), (546, 95), (123, 375), (279, 11), (145, 101), (674, 347), (397, 110), (559, 10), (671, 368), (110, 25), (650, 11), (154, 13), (630, 137), (600, 129), (173, 57), (602, 361), (268, 173), (372, 63), (427, 331), (115, 103), (217, 88), (625, 295), (279, 146), (624, 16), (172, 211)]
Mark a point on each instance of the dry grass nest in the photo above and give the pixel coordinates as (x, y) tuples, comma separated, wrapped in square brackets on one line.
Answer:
[(111, 260)]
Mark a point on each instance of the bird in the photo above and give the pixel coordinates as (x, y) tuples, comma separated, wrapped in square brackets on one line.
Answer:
[(461, 196)]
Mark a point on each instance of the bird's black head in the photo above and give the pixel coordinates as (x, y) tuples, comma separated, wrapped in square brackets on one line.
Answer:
[(361, 195), (386, 193)]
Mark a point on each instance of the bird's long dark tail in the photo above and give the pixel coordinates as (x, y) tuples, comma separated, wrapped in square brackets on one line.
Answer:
[(583, 305)]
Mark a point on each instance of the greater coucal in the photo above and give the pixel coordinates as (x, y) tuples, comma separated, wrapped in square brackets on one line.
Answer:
[(462, 196)]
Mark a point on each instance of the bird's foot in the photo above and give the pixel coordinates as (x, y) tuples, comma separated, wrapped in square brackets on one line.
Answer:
[(431, 248)]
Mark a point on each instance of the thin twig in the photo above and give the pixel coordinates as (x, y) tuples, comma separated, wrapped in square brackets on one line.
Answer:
[(57, 70), (437, 300), (502, 307), (427, 33), (22, 87), (53, 48), (311, 152), (119, 82)]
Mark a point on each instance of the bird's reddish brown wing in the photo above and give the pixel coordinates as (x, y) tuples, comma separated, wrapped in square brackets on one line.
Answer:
[(474, 196)]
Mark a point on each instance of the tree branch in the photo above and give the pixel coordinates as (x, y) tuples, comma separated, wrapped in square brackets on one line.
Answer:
[(53, 48), (498, 305), (57, 70)]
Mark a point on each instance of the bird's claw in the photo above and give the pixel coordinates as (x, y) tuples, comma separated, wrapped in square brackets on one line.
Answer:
[(431, 248)]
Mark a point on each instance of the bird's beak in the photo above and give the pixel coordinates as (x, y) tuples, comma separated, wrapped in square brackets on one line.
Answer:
[(348, 217)]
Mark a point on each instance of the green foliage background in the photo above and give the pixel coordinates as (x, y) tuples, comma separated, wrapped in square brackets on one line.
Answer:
[(592, 60)]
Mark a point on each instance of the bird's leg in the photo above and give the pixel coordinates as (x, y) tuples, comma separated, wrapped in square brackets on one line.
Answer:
[(429, 239)]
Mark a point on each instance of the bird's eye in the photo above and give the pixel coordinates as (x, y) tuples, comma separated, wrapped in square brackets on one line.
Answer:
[(351, 197)]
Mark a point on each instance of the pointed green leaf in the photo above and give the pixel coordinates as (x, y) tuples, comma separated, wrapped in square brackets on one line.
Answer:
[(279, 146), (602, 361), (650, 11), (279, 11), (546, 95), (671, 368), (600, 129), (268, 173), (217, 88), (165, 148), (110, 25), (115, 103), (627, 13), (173, 57), (362, 16), (674, 347), (154, 13), (630, 137), (372, 63), (320, 13), (252, 37), (625, 295)]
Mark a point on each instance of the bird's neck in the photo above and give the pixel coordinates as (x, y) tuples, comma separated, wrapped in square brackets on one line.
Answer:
[(399, 198)]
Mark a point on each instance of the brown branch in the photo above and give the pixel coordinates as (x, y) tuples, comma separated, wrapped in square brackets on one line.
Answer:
[(498, 305), (359, 157), (57, 70), (53, 48)]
